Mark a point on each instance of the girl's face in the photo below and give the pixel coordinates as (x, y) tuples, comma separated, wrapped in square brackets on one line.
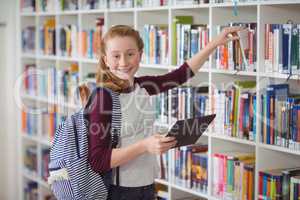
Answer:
[(122, 57)]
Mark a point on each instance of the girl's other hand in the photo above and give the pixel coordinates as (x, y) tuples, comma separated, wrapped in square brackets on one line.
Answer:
[(158, 144)]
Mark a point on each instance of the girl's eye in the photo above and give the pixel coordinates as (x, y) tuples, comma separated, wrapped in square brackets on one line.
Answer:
[(131, 54), (116, 56)]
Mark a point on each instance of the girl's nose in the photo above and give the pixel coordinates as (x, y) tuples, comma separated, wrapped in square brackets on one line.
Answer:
[(123, 61)]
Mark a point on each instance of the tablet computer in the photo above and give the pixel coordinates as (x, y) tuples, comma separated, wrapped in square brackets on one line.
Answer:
[(188, 131)]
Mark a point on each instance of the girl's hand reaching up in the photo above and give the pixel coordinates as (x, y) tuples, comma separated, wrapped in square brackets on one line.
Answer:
[(228, 34)]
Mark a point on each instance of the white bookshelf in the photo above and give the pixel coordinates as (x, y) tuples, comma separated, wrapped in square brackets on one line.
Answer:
[(261, 12)]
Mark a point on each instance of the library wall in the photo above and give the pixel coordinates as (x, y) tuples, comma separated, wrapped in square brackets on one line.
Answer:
[(2, 106), (8, 141)]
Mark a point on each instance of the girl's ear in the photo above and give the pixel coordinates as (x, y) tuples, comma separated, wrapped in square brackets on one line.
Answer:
[(104, 58), (141, 54)]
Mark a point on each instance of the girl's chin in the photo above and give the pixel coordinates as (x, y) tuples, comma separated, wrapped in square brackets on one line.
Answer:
[(124, 76)]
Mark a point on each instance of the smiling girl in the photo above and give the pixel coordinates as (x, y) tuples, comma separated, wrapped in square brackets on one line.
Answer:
[(133, 162)]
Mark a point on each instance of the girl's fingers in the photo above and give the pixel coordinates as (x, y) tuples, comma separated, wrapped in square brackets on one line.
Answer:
[(167, 145), (232, 38), (234, 29), (167, 139)]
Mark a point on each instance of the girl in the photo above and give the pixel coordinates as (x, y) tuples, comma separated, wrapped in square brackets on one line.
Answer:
[(121, 53)]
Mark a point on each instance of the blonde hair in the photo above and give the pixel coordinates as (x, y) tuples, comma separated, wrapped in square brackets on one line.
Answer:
[(104, 76)]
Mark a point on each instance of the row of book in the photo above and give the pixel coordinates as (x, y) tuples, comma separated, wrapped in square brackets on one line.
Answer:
[(28, 39), (47, 38), (230, 55), (185, 102), (151, 3), (29, 123), (45, 163), (233, 172), (72, 43), (230, 1), (63, 5), (155, 39), (236, 108), (120, 4), (91, 40), (31, 192), (30, 159), (283, 184), (71, 39), (48, 5), (52, 83), (280, 117), (190, 2), (187, 38), (282, 48), (188, 167), (50, 118), (233, 175)]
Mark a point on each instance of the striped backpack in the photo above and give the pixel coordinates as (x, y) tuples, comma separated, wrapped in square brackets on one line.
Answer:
[(71, 176)]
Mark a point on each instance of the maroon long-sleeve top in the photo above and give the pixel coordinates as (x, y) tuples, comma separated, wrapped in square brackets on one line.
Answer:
[(99, 115)]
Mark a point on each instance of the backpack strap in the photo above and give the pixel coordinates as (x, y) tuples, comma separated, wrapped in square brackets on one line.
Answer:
[(116, 126), (76, 137), (116, 121)]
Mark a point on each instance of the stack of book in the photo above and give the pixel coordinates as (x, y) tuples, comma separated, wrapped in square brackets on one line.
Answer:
[(91, 40), (93, 4), (282, 48), (29, 122), (31, 191), (189, 167), (281, 184), (28, 39), (190, 2), (233, 175), (27, 5), (47, 38), (30, 79), (230, 56), (116, 4), (59, 84), (46, 6), (236, 108), (151, 3), (189, 102), (50, 120), (188, 38), (280, 117), (185, 102), (68, 35), (30, 159), (45, 163), (155, 39), (66, 5)]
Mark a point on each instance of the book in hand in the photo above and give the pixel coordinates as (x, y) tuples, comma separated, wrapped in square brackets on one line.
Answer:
[(188, 131), (243, 41)]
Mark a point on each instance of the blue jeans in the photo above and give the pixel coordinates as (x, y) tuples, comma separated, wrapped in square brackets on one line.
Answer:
[(131, 193)]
